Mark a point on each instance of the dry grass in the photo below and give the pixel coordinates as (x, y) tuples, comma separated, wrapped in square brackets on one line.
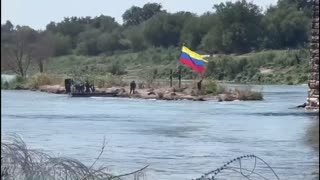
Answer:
[(20, 162), (44, 79), (109, 81), (247, 94)]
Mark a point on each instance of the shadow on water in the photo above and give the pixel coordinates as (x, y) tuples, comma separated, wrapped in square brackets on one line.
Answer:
[(312, 138)]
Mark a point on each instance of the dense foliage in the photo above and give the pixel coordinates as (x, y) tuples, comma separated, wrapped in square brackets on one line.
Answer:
[(231, 27)]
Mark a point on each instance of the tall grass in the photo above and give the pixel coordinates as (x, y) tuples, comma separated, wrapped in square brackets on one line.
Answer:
[(38, 80), (108, 81), (247, 94)]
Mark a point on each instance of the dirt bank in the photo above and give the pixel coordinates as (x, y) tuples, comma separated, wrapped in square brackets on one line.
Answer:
[(164, 93)]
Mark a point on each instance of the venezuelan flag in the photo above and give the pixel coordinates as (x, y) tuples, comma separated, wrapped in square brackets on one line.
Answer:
[(192, 59)]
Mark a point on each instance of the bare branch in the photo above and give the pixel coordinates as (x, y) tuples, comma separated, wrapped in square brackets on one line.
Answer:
[(21, 162), (102, 149)]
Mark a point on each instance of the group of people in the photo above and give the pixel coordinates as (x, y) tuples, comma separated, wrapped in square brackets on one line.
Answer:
[(83, 87), (89, 88)]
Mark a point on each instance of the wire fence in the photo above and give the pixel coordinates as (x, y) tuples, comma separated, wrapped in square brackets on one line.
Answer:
[(229, 168), (20, 162)]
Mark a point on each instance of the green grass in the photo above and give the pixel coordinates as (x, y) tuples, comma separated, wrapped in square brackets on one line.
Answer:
[(285, 66), (245, 68)]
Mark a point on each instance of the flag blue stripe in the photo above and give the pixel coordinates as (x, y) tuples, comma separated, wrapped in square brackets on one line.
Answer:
[(194, 60)]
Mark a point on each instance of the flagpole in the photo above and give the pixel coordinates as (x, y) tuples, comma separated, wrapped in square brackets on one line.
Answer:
[(180, 68)]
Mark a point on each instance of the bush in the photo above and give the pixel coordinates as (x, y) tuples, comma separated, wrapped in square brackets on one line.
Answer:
[(17, 83), (44, 79), (116, 69), (212, 87), (4, 84), (247, 93)]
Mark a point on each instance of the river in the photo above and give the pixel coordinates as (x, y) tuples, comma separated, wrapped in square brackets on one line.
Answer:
[(177, 139)]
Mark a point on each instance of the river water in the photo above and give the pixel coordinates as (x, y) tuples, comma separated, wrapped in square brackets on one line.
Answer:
[(177, 139)]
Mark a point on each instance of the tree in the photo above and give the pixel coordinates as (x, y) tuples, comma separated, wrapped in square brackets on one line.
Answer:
[(43, 49), (239, 25), (212, 41), (165, 29), (18, 53), (87, 42), (108, 42), (135, 35), (7, 27), (70, 27), (196, 28), (105, 23), (62, 44), (285, 25), (132, 16), (150, 9), (136, 15)]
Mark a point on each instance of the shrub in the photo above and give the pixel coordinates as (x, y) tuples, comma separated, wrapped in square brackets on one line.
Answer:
[(4, 84), (247, 93), (303, 79), (43, 79), (212, 87), (116, 69), (17, 83)]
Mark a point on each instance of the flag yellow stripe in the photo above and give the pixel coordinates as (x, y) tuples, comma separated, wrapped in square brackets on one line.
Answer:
[(193, 54)]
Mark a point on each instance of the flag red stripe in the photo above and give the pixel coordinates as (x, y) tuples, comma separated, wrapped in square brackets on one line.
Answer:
[(191, 64)]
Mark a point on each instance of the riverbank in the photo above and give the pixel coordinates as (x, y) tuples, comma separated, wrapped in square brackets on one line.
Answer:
[(211, 90), (164, 93)]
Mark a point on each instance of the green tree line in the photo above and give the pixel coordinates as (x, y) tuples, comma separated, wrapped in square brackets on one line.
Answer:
[(230, 27)]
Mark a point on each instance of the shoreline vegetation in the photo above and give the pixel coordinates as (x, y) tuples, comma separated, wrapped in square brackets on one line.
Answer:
[(290, 67), (241, 41), (211, 90)]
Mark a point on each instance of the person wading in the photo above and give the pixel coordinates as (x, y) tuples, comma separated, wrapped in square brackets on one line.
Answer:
[(132, 87)]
